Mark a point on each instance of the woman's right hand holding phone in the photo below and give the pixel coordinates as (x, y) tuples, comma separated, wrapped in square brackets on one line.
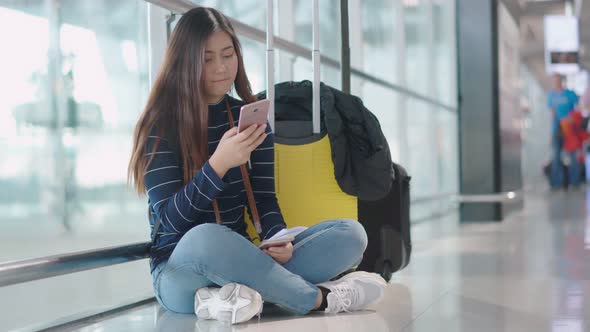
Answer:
[(234, 149)]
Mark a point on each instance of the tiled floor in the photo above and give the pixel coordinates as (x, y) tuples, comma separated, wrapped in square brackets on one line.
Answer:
[(528, 273)]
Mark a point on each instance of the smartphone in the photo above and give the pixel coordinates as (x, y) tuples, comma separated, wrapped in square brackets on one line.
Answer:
[(274, 243), (254, 113)]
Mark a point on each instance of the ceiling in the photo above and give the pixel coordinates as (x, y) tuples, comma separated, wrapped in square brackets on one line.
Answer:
[(529, 14)]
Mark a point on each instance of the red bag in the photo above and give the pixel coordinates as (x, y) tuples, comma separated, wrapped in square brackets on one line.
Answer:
[(573, 133)]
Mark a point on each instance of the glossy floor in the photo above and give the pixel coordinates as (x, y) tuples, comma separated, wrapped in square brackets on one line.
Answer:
[(528, 273)]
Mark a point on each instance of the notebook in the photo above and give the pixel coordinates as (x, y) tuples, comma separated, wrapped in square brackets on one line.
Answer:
[(288, 232)]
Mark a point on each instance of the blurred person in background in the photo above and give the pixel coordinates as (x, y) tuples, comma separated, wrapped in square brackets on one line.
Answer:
[(585, 109), (562, 103)]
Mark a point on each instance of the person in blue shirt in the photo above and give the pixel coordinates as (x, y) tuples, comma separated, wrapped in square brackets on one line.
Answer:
[(186, 157), (562, 103)]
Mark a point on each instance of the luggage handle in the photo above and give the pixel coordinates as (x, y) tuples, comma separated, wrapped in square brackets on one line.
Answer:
[(315, 58)]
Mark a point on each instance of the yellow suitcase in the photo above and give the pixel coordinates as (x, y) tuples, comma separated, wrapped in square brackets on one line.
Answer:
[(306, 187)]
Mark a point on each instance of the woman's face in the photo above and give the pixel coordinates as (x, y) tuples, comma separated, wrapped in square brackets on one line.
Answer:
[(220, 67)]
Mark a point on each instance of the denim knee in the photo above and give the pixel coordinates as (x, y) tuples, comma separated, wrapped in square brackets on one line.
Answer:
[(204, 230), (355, 234), (203, 241)]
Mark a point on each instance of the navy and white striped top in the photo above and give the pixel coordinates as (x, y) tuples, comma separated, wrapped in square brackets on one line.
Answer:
[(182, 207)]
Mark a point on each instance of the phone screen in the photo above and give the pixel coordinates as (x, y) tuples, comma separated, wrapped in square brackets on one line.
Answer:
[(254, 113)]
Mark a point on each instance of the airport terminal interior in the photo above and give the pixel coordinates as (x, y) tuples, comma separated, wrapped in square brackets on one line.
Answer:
[(468, 95)]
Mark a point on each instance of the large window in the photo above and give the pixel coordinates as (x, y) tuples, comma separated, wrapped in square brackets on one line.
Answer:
[(418, 31), (74, 78), (411, 43), (74, 97), (445, 59)]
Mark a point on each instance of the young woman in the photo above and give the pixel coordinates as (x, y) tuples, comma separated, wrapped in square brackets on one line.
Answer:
[(186, 158)]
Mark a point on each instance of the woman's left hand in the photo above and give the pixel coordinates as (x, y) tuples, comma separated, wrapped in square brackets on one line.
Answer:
[(281, 254)]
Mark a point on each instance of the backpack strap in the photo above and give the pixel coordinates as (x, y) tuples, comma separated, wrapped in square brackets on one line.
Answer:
[(247, 184)]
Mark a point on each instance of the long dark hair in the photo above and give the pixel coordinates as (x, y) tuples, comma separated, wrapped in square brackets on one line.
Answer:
[(176, 105)]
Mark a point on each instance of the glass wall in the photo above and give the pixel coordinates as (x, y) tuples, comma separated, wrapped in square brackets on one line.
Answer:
[(445, 59), (74, 79), (412, 44), (536, 141), (23, 149), (418, 33), (380, 24), (74, 97)]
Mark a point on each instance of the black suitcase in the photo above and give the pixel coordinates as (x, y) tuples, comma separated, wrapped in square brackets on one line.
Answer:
[(387, 222)]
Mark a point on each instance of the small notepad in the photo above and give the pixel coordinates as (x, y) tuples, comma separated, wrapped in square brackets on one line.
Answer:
[(288, 232)]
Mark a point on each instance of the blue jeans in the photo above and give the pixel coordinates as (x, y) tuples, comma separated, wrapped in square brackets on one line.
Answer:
[(212, 255), (574, 169)]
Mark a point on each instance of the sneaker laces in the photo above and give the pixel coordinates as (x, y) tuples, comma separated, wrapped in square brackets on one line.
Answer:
[(345, 295)]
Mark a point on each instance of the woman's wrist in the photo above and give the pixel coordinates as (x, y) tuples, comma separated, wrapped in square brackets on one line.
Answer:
[(218, 166)]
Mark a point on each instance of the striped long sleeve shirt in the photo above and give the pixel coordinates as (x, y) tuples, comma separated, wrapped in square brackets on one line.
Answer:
[(180, 207)]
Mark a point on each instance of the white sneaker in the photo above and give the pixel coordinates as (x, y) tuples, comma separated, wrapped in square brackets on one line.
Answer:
[(232, 303), (354, 291)]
